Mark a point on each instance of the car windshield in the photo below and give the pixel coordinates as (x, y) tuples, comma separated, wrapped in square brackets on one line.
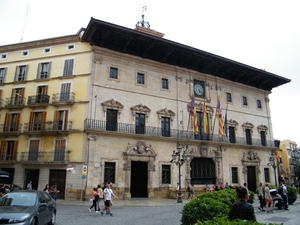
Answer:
[(18, 199)]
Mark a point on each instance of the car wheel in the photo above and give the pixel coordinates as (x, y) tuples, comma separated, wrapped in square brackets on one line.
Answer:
[(33, 221), (53, 219)]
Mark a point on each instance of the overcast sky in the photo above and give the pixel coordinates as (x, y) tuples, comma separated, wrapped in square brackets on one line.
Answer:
[(261, 33)]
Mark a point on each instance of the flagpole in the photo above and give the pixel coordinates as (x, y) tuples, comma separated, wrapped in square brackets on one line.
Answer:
[(225, 121), (214, 125), (187, 128)]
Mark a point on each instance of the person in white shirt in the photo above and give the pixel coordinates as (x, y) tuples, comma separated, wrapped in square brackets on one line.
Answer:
[(108, 194)]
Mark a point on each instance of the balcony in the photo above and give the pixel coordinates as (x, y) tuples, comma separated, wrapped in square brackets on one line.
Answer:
[(16, 102), (8, 157), (48, 127), (10, 129), (131, 129), (64, 98), (38, 100), (59, 156)]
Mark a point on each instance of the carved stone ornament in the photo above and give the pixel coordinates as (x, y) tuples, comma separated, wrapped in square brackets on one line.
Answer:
[(251, 158), (141, 152), (165, 113), (247, 125), (261, 128), (140, 109), (112, 104)]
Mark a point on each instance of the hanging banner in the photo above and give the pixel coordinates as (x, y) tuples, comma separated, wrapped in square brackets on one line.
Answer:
[(84, 171)]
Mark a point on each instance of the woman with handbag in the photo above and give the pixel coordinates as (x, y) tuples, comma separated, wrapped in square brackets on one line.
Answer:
[(95, 198)]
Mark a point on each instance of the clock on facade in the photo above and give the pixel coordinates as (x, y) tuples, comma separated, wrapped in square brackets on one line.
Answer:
[(199, 90)]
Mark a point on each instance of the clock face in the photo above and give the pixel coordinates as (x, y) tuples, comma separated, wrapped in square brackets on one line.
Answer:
[(198, 89)]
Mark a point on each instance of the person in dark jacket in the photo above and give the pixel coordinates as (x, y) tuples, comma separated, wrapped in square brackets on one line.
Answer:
[(242, 209)]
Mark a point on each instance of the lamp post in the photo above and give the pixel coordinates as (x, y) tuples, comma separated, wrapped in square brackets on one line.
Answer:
[(272, 162), (179, 160)]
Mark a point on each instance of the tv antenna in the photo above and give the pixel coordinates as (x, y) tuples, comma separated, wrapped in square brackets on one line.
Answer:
[(21, 39)]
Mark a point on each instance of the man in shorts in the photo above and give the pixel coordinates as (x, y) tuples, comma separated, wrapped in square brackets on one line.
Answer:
[(108, 195)]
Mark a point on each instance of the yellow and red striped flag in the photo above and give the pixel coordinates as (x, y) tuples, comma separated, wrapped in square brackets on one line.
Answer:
[(194, 114), (220, 118), (205, 121)]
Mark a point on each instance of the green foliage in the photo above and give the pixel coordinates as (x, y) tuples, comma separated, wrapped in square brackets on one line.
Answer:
[(292, 194), (203, 209), (210, 205), (225, 221)]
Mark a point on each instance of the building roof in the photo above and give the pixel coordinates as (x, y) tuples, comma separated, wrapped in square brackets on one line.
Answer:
[(133, 42)]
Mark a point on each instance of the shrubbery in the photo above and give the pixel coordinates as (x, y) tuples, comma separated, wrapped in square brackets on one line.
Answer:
[(212, 208), (292, 194)]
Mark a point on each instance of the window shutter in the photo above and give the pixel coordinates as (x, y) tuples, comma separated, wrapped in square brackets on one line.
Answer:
[(16, 73), (6, 122), (38, 76), (49, 69), (43, 120), (31, 121), (66, 120), (2, 150), (15, 150), (68, 67)]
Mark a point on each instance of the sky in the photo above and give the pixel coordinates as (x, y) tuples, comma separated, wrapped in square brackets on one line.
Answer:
[(260, 33)]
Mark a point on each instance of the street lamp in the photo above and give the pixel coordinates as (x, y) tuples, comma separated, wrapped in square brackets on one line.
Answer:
[(272, 162), (179, 160)]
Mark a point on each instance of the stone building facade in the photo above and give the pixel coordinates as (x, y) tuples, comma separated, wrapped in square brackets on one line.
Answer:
[(140, 111)]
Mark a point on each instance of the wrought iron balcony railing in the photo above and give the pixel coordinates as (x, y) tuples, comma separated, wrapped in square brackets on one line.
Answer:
[(7, 128), (15, 101), (35, 156), (99, 125), (48, 126), (8, 156), (38, 100), (63, 97)]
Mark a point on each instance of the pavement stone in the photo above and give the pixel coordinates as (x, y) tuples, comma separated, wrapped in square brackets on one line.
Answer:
[(147, 211)]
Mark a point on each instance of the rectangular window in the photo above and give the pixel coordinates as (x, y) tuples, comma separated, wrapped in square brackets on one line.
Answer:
[(33, 150), (2, 74), (139, 123), (166, 174), (111, 119), (267, 174), (37, 120), (245, 101), (232, 135), (41, 96), (113, 73), (44, 70), (228, 97), (8, 150), (12, 122), (60, 150), (65, 92), (248, 137), (140, 78), (61, 120), (109, 172), (164, 83), (18, 96), (234, 175), (165, 126), (21, 72), (258, 104), (68, 67), (263, 138)]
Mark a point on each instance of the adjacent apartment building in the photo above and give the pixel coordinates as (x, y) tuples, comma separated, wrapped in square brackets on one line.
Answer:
[(44, 97)]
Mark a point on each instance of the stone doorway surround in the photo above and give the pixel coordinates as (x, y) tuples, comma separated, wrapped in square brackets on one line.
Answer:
[(140, 152)]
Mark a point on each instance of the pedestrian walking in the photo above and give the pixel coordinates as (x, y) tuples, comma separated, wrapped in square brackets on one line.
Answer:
[(95, 198), (282, 190), (192, 191), (108, 195), (100, 194), (261, 197), (188, 189), (242, 209), (54, 191), (29, 186), (48, 189), (268, 199)]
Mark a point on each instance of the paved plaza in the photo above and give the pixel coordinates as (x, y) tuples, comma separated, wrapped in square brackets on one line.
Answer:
[(153, 212)]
